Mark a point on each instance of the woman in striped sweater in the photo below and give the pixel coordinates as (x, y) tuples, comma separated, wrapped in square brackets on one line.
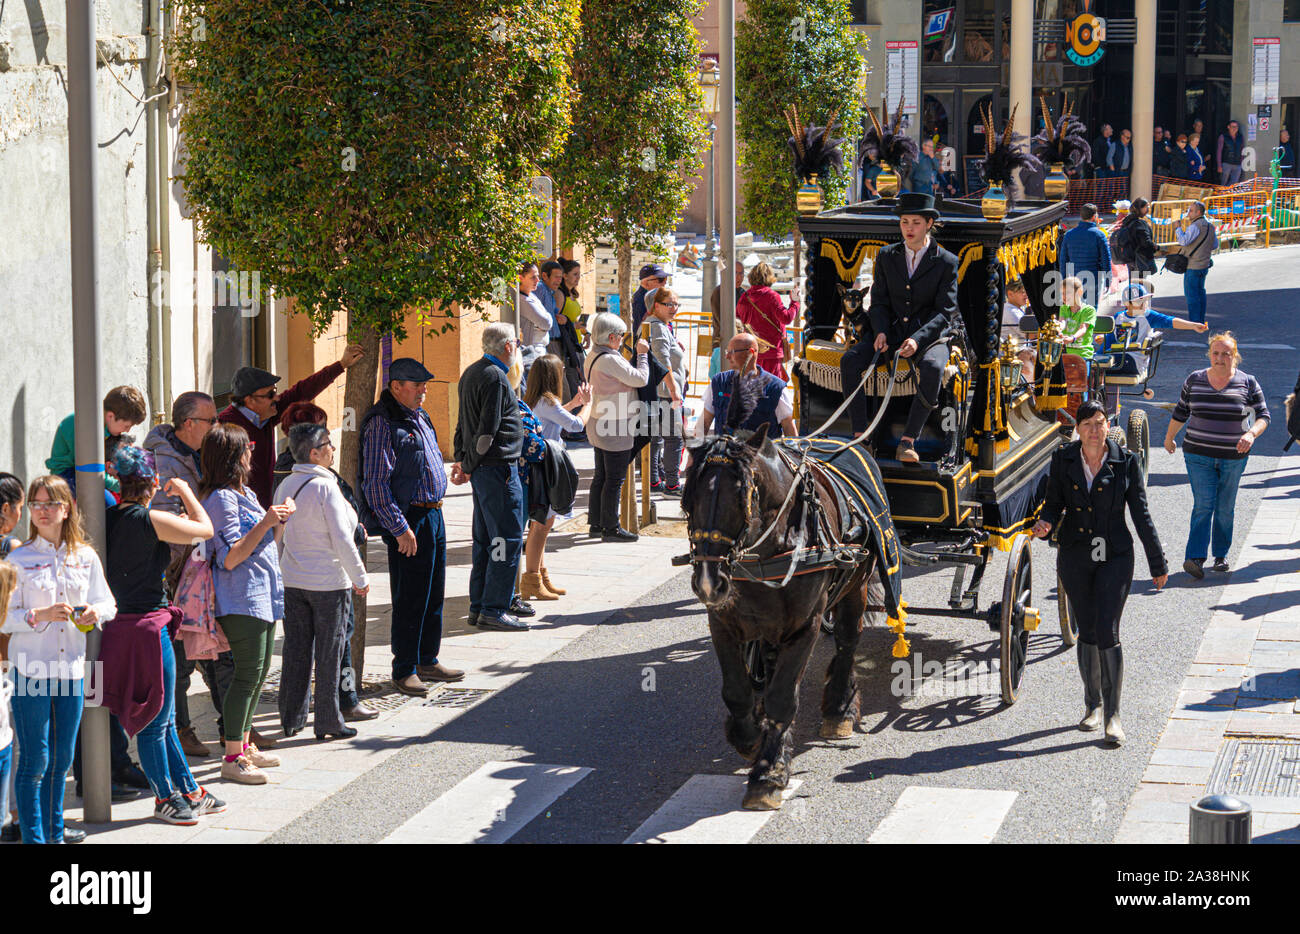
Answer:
[(1216, 407)]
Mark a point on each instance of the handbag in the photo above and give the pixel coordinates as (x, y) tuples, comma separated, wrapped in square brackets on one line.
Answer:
[(1177, 262)]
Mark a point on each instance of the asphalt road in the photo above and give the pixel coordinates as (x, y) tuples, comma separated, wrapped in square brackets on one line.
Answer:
[(588, 705)]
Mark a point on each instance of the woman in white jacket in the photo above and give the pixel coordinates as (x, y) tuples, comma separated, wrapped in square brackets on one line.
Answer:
[(612, 420), (320, 564), (62, 594)]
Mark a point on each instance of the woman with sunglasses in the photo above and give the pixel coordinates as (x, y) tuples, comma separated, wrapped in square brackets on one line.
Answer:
[(667, 422), (62, 594), (322, 568)]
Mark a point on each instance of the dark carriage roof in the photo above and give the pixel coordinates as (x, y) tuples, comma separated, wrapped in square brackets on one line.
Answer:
[(961, 219)]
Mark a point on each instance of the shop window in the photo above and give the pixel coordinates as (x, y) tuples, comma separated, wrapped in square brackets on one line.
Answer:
[(940, 44), (978, 32), (1291, 11)]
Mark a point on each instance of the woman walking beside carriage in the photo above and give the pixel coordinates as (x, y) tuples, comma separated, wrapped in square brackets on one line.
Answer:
[(1215, 404), (1088, 486)]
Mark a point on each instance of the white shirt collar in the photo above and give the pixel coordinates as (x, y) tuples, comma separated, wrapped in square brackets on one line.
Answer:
[(913, 254)]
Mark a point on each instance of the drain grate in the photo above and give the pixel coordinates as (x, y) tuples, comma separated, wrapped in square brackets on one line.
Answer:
[(456, 697), (382, 695), (1257, 767)]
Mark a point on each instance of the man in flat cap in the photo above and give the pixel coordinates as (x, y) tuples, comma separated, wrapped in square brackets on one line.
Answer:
[(653, 276), (401, 481), (255, 406)]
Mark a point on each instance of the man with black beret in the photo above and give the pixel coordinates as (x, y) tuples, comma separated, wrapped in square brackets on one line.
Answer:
[(255, 406), (401, 481)]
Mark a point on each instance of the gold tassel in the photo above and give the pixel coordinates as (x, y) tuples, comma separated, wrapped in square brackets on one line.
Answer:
[(902, 648)]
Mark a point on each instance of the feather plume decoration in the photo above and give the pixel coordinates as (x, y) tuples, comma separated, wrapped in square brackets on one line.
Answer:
[(1006, 154), (1064, 140), (884, 138), (813, 149)]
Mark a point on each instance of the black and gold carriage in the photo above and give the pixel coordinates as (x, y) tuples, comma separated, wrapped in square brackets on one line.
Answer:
[(986, 447)]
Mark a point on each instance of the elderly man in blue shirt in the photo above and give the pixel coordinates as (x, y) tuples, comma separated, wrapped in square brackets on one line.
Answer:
[(402, 481)]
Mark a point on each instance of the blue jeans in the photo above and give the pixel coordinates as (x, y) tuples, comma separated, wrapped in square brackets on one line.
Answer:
[(1214, 498), (498, 537), (47, 713), (6, 759), (159, 747), (1194, 292)]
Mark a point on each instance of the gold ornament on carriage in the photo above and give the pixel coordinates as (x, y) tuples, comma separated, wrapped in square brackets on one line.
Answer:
[(1009, 362), (1051, 342)]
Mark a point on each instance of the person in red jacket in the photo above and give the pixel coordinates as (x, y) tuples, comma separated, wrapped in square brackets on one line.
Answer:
[(767, 317), (255, 406)]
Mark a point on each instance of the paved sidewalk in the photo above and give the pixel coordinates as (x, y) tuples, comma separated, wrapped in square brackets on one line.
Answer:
[(599, 579), (1241, 689)]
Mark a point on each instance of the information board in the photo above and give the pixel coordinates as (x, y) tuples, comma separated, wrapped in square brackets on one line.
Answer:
[(1266, 71), (903, 74)]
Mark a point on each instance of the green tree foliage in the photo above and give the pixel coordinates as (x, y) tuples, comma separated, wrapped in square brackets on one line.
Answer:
[(627, 170), (800, 53), (371, 155)]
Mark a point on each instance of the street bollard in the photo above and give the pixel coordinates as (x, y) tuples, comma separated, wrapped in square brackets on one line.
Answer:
[(1219, 819)]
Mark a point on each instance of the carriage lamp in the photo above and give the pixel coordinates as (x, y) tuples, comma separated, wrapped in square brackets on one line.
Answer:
[(1009, 365), (1050, 344)]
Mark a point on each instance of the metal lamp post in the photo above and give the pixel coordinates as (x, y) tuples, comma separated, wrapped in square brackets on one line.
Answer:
[(709, 78)]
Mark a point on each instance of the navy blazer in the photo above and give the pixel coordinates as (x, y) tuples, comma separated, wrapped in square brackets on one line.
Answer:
[(1086, 515), (923, 307)]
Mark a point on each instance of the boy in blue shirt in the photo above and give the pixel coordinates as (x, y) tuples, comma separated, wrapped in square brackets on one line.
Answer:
[(1137, 311)]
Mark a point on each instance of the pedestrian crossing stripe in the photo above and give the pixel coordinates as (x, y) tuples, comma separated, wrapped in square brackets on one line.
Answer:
[(706, 810), (944, 815)]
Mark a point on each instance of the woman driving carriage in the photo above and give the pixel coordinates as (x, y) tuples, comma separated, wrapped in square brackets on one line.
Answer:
[(913, 306)]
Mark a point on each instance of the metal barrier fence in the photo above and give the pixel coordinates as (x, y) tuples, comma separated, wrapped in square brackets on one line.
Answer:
[(1165, 217), (1284, 214), (695, 330), (1239, 215)]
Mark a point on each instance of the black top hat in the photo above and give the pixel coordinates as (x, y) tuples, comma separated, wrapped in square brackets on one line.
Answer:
[(915, 202)]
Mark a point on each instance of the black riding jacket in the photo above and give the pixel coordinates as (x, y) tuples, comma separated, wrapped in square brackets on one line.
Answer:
[(1086, 515)]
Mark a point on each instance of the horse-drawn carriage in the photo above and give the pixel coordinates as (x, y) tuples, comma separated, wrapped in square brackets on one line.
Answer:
[(985, 449)]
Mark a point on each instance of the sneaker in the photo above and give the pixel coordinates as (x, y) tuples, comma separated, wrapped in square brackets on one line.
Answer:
[(673, 490), (263, 760), (1195, 567), (205, 802), (174, 810), (657, 486), (1221, 564), (242, 771)]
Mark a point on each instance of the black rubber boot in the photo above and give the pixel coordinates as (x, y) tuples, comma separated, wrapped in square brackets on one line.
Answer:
[(1090, 671), (1112, 681)]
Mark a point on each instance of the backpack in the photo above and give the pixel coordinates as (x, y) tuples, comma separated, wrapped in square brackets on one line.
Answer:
[(1121, 244)]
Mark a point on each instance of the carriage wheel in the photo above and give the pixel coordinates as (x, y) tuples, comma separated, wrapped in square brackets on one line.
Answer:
[(1116, 434), (1139, 439), (1016, 609), (1069, 625)]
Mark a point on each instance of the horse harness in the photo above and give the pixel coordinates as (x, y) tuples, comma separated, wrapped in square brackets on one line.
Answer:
[(829, 551)]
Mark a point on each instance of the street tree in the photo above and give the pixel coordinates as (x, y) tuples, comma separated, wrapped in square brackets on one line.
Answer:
[(373, 157), (628, 168), (799, 54)]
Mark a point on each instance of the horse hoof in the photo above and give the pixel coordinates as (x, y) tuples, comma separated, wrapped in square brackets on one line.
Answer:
[(762, 798), (837, 729)]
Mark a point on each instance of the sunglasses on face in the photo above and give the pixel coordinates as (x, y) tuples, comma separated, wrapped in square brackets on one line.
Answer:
[(44, 505), (737, 353)]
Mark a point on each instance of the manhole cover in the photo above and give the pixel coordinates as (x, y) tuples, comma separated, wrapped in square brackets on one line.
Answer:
[(1257, 767), (382, 695), (456, 697)]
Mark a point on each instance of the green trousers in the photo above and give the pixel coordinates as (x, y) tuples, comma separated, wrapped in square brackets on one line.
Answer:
[(251, 641)]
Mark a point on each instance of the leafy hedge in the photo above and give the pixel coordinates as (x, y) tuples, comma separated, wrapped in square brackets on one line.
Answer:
[(628, 168), (373, 154), (776, 68)]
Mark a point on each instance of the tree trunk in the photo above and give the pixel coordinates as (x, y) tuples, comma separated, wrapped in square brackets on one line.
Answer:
[(624, 251), (358, 396)]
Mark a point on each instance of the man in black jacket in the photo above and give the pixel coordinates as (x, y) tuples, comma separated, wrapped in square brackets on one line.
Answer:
[(489, 441), (913, 305)]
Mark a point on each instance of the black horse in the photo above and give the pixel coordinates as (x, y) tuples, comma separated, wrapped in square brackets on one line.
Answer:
[(752, 506)]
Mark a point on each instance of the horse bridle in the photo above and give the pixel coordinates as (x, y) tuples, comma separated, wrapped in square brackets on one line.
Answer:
[(735, 552)]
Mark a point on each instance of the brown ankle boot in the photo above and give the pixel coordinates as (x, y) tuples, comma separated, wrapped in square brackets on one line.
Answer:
[(532, 588), (191, 745), (546, 579)]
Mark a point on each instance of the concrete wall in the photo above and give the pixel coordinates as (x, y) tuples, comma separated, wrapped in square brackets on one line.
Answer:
[(36, 390), (1262, 18)]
